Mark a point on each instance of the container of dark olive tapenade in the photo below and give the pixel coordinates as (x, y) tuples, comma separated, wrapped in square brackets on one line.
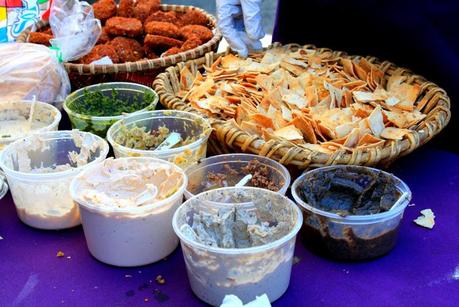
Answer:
[(350, 212)]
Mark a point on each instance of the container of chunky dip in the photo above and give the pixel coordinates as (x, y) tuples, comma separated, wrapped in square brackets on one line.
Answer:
[(228, 170), (350, 212), (15, 123), (238, 241), (96, 107), (141, 134), (126, 209), (39, 170)]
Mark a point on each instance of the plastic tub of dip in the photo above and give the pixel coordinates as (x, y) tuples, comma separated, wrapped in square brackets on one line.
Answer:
[(227, 170), (350, 212), (96, 107), (238, 241), (126, 209), (14, 119), (39, 170), (140, 134)]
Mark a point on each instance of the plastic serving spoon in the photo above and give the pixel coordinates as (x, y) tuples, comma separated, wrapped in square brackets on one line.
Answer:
[(172, 139), (399, 201), (243, 181), (32, 111)]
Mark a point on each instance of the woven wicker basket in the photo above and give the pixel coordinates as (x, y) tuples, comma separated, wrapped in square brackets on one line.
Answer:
[(432, 101), (143, 71)]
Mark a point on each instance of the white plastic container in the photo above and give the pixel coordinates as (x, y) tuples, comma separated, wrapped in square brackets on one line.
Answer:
[(247, 272), (130, 235), (198, 173), (16, 113), (186, 123), (41, 193)]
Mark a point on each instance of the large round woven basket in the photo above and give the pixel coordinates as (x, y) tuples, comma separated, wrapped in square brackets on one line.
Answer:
[(432, 101), (143, 71)]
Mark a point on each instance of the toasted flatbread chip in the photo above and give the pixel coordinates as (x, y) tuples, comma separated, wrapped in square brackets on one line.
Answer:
[(289, 133), (376, 122), (427, 219), (391, 133)]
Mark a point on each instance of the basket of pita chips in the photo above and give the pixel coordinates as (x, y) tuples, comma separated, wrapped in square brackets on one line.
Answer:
[(139, 39), (308, 107)]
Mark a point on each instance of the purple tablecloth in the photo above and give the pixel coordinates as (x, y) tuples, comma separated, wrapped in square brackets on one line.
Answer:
[(422, 270)]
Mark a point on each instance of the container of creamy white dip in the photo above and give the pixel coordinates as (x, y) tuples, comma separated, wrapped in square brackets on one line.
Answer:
[(238, 241), (39, 170), (15, 124), (126, 209)]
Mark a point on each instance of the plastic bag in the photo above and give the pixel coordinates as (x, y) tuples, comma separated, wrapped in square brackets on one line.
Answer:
[(74, 27), (28, 70)]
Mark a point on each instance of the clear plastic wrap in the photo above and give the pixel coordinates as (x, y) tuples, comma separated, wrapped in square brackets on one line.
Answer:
[(74, 27), (28, 70)]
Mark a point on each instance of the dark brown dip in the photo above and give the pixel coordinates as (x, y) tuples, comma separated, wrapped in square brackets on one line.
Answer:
[(348, 191)]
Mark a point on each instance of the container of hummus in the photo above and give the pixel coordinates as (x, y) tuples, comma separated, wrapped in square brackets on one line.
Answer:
[(39, 170), (350, 212), (227, 170), (96, 107), (15, 124), (238, 241), (140, 135), (126, 209)]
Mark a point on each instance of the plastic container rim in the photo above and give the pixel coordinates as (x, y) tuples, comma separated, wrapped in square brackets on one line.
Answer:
[(57, 116), (77, 93), (203, 138), (398, 207), (247, 250), (134, 210), (283, 170), (52, 135)]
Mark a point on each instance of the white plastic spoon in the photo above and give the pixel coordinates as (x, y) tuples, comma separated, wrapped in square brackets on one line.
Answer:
[(172, 139)]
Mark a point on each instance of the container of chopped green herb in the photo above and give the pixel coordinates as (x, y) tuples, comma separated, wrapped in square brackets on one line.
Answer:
[(144, 133), (95, 108)]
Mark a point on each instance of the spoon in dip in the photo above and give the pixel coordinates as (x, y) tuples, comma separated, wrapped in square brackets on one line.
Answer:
[(243, 181), (32, 111), (172, 139)]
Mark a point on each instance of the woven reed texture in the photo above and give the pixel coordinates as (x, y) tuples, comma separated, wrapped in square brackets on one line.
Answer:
[(432, 101), (142, 71)]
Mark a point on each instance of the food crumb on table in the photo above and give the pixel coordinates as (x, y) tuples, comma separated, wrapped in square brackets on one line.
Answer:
[(60, 254), (160, 280), (296, 259)]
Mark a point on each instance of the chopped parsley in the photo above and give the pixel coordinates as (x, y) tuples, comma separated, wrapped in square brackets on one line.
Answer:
[(95, 103)]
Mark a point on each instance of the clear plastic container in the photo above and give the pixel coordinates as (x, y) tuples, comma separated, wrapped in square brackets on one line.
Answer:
[(199, 181), (100, 124), (215, 271), (45, 118), (40, 192), (186, 123), (351, 237), (128, 236)]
